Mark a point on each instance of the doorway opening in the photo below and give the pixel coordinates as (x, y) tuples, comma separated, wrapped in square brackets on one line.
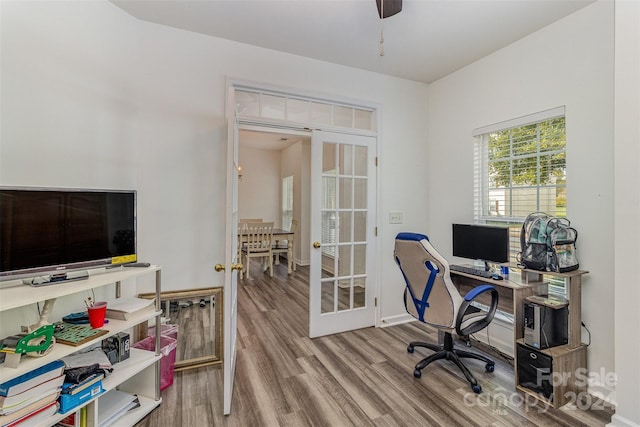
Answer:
[(275, 181)]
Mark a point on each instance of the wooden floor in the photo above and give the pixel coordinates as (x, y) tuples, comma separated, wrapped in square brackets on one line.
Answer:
[(358, 378)]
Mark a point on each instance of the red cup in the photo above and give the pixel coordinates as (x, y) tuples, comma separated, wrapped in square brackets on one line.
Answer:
[(97, 313)]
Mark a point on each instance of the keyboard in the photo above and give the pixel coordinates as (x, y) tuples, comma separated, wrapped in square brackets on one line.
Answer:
[(472, 271)]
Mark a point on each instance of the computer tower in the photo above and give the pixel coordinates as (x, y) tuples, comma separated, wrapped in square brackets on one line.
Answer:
[(545, 322)]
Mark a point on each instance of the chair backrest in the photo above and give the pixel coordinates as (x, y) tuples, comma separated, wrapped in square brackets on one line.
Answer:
[(245, 220), (257, 236), (430, 295)]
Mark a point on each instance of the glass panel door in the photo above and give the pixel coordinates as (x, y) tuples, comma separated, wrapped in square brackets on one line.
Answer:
[(344, 175)]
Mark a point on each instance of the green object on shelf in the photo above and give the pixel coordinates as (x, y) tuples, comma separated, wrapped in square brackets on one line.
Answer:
[(37, 341), (77, 334)]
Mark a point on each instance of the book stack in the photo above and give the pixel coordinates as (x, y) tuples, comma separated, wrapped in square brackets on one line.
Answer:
[(31, 397), (125, 307)]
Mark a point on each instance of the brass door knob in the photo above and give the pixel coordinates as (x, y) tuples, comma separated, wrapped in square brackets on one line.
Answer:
[(316, 245), (236, 267), (219, 267)]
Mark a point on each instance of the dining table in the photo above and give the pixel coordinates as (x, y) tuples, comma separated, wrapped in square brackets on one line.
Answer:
[(279, 234)]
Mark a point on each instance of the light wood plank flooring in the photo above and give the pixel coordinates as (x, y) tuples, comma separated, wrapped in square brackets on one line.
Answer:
[(358, 378)]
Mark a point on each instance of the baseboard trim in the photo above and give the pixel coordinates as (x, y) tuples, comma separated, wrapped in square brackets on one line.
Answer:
[(618, 421), (396, 320), (601, 391)]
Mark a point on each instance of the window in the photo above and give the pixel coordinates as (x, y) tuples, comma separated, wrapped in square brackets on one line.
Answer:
[(520, 168), (287, 202), (329, 192)]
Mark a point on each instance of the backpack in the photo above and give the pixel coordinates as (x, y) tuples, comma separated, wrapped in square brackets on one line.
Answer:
[(548, 243)]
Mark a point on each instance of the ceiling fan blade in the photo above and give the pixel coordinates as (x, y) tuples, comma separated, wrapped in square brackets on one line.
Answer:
[(391, 7)]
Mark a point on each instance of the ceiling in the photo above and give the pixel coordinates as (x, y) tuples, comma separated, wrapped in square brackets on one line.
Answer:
[(426, 41), (269, 140)]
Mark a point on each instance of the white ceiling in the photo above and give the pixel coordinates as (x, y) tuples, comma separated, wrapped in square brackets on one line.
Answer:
[(269, 140), (426, 41)]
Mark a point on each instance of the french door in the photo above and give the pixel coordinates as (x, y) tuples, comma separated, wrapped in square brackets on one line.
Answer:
[(231, 256), (343, 206)]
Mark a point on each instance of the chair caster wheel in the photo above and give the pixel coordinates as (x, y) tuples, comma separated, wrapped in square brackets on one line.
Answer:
[(410, 349), (476, 389), (490, 367), (417, 373)]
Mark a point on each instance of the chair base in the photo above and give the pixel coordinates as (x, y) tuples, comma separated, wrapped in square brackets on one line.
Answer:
[(446, 351)]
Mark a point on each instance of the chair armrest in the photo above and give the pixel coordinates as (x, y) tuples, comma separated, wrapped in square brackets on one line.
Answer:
[(468, 299)]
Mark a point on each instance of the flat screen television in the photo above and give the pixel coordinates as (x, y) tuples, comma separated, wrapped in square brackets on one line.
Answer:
[(481, 242), (47, 232)]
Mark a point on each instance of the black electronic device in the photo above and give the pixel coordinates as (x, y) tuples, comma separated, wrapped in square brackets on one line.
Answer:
[(138, 264), (481, 242), (47, 232), (545, 322)]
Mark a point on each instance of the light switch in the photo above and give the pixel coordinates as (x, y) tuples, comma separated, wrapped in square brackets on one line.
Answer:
[(395, 217)]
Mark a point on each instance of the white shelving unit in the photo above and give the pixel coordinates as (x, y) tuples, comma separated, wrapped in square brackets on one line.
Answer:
[(140, 374)]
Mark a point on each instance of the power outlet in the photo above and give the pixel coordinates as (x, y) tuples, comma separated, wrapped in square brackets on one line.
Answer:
[(395, 217)]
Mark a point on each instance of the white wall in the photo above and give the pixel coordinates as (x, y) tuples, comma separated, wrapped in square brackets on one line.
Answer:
[(260, 188), (68, 104), (627, 207), (567, 63)]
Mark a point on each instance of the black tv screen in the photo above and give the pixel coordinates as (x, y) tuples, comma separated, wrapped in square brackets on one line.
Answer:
[(481, 242), (46, 231)]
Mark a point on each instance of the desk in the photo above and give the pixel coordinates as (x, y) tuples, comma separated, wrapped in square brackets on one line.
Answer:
[(568, 358), (512, 295), (278, 234)]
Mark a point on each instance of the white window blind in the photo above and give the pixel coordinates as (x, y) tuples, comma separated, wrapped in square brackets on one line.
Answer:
[(287, 202), (329, 215), (520, 168)]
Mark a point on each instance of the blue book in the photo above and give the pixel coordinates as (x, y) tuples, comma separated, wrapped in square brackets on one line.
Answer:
[(31, 379), (73, 388), (71, 401)]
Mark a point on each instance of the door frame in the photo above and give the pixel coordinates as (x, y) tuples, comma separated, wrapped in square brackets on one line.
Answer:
[(261, 124)]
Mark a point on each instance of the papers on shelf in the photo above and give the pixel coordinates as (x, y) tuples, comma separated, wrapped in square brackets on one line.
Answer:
[(113, 405), (123, 308)]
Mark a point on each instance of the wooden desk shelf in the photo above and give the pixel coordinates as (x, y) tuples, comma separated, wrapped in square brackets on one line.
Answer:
[(566, 360)]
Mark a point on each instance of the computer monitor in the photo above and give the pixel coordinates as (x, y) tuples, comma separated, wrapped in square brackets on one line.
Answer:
[(481, 242)]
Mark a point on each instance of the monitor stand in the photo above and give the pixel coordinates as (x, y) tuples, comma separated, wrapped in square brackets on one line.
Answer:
[(481, 265)]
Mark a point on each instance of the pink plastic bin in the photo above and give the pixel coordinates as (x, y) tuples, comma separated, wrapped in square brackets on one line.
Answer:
[(167, 362), (170, 331)]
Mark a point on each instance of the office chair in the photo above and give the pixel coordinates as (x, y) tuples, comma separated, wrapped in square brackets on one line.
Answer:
[(431, 297)]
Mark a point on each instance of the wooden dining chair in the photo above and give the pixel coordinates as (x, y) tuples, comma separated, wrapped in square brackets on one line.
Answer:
[(282, 246), (241, 224), (245, 220), (257, 241)]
